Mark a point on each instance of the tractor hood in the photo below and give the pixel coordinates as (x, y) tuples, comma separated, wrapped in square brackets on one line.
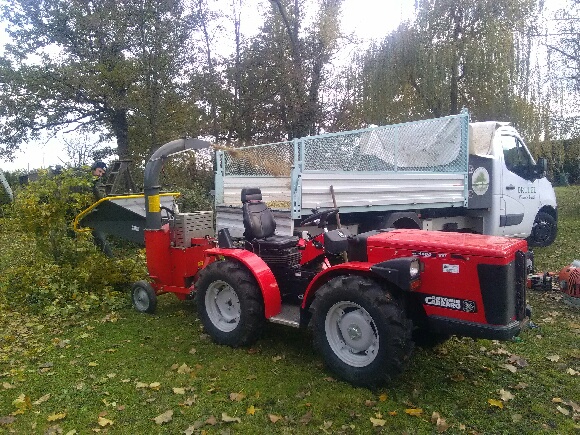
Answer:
[(427, 242)]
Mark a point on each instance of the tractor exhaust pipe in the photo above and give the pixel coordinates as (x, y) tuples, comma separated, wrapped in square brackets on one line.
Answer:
[(151, 181)]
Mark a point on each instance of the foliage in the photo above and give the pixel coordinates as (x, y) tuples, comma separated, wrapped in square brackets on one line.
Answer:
[(117, 68), (456, 54), (44, 265)]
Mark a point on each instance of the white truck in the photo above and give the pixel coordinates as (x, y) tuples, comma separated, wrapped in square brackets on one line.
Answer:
[(437, 174)]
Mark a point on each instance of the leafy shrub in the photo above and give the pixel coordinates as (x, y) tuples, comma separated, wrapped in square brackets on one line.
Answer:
[(45, 266)]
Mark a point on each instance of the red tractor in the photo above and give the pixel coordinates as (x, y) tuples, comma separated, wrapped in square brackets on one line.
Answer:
[(364, 296)]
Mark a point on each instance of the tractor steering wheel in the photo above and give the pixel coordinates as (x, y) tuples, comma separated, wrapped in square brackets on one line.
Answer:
[(170, 213), (322, 215)]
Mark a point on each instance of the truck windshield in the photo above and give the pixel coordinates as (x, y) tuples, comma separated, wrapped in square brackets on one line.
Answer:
[(517, 158)]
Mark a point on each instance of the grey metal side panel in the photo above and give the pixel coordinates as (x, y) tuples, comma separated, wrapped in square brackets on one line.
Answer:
[(273, 189), (375, 189)]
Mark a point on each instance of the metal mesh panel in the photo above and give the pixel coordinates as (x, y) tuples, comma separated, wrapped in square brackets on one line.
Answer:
[(438, 145), (262, 160), (192, 225), (434, 145)]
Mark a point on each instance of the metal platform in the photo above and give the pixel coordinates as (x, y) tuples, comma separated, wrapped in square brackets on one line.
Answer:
[(289, 316)]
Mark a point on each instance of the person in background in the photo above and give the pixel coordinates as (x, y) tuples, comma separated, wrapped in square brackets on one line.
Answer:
[(98, 170)]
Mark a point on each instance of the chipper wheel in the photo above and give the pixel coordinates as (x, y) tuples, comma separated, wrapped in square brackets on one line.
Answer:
[(144, 297), (361, 331), (229, 303)]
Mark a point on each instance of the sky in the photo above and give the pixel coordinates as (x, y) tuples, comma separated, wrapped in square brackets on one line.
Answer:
[(367, 19)]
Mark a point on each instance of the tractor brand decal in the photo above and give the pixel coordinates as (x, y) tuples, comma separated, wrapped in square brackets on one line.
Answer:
[(426, 254), (480, 181), (134, 228), (451, 268), (451, 303)]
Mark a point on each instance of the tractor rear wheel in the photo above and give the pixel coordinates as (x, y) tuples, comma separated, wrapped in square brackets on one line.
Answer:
[(229, 303), (361, 330), (144, 297)]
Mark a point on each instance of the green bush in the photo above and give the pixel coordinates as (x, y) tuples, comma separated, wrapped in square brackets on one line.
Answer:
[(45, 266)]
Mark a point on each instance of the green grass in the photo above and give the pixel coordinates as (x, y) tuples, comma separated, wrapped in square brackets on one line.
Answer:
[(92, 366)]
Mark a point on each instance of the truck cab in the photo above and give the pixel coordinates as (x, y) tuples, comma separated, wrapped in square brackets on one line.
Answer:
[(523, 200)]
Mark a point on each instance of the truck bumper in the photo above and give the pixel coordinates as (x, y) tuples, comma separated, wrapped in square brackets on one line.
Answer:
[(477, 330)]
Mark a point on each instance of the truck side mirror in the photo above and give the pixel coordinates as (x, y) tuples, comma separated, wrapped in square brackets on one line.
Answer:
[(542, 167)]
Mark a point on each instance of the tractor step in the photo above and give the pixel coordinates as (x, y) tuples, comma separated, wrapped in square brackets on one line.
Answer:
[(289, 316)]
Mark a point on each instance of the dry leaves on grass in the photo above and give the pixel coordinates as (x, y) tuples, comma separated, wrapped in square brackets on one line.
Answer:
[(227, 419), (440, 423), (166, 417), (102, 421)]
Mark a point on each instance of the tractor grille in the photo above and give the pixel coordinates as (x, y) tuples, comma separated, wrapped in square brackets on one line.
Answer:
[(280, 257)]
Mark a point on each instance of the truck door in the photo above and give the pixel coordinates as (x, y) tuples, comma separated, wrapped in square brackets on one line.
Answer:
[(520, 197)]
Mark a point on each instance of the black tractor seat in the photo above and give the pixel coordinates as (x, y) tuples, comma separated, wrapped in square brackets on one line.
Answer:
[(259, 223)]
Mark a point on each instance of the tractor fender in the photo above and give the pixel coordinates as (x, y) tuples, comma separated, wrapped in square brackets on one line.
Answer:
[(352, 268), (264, 276)]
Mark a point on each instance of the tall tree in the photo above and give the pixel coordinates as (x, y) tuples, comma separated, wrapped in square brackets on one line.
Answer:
[(87, 64), (457, 53)]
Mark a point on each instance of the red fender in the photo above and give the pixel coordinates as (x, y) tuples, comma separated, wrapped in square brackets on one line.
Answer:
[(356, 267), (262, 273)]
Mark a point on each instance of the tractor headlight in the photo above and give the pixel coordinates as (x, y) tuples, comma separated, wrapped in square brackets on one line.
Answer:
[(414, 269)]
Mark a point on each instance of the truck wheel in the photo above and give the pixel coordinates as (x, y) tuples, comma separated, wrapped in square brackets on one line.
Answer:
[(229, 304), (361, 331), (144, 297), (544, 230)]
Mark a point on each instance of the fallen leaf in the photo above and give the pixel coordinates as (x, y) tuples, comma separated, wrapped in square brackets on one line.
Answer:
[(141, 385), (383, 397), (572, 372), (277, 358), (178, 390), (192, 351), (22, 403), (521, 386), (434, 417), (56, 417), (41, 399), (102, 421), (505, 395), (378, 422), (251, 410), (393, 413), (441, 425), (155, 386), (509, 367), (274, 418), (494, 402), (557, 400), (553, 358), (7, 420), (93, 364), (457, 377), (516, 418), (7, 386), (563, 410), (306, 418), (414, 411), (189, 401), (237, 397), (370, 403), (227, 419), (166, 417), (184, 369), (326, 425), (329, 379)]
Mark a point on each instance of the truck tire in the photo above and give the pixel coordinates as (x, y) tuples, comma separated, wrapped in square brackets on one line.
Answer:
[(361, 330), (544, 230), (144, 297), (229, 304)]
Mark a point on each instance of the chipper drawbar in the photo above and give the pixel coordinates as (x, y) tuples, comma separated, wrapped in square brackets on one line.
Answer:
[(367, 297)]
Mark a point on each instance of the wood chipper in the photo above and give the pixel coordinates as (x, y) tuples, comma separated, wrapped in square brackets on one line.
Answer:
[(365, 296)]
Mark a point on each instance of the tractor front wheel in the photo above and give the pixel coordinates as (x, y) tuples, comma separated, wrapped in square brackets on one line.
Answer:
[(361, 330), (229, 303), (144, 297)]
